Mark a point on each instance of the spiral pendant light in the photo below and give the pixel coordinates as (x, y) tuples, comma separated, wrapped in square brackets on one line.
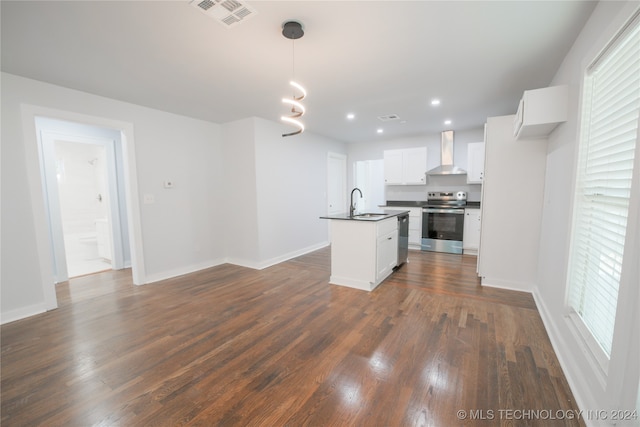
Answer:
[(293, 30)]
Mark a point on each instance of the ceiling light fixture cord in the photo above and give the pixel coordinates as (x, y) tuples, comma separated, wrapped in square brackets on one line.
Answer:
[(293, 30)]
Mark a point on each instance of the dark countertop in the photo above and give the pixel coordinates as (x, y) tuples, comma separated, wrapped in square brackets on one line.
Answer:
[(407, 203), (423, 203), (384, 214)]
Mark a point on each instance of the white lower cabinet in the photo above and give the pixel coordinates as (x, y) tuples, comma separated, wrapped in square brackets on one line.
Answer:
[(387, 254), (363, 253), (415, 227), (471, 232)]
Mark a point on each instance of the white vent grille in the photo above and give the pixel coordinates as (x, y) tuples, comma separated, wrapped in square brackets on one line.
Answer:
[(228, 12), (389, 117)]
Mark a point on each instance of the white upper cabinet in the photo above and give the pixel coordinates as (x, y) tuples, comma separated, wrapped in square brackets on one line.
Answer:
[(405, 167), (475, 166), (540, 111), (393, 167)]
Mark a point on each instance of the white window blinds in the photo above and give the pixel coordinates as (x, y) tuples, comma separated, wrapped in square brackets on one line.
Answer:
[(611, 105)]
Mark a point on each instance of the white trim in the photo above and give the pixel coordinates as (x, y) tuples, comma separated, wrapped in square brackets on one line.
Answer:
[(176, 272), (29, 114), (45, 255), (133, 204), (277, 260), (170, 274), (507, 284), (23, 313), (579, 388), (593, 349)]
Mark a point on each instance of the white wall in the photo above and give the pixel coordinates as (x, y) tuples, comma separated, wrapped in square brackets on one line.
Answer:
[(592, 390), (240, 200), (21, 285), (276, 193), (373, 150), (292, 183), (511, 207), (182, 231)]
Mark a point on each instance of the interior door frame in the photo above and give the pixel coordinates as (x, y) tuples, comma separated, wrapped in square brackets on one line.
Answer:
[(45, 257), (47, 142)]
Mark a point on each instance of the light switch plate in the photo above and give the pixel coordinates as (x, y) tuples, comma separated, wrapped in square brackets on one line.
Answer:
[(168, 184)]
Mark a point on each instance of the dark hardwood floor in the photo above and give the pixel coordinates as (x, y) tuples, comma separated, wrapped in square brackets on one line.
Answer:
[(230, 346)]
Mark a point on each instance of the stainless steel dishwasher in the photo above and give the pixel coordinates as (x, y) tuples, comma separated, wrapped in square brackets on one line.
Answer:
[(403, 239)]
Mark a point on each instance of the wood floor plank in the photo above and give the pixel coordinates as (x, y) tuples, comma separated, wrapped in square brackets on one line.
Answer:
[(233, 346)]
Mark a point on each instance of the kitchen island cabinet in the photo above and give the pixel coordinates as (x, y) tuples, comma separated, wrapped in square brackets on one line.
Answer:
[(364, 252)]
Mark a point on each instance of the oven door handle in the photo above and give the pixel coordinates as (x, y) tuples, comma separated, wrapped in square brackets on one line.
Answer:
[(443, 211)]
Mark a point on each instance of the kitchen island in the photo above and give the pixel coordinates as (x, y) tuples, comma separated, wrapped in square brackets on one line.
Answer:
[(364, 248)]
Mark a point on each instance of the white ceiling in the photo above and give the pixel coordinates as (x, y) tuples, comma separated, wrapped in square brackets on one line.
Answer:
[(371, 58)]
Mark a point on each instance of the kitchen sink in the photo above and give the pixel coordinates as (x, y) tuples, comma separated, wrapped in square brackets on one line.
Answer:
[(369, 215)]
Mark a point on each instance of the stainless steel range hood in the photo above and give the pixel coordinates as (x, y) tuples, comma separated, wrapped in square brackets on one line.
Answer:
[(446, 157)]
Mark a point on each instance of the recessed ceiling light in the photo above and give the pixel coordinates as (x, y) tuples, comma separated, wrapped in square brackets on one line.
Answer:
[(351, 116), (380, 130), (447, 122), (435, 102)]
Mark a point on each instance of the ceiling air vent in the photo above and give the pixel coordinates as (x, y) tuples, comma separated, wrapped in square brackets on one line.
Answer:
[(228, 12), (388, 117)]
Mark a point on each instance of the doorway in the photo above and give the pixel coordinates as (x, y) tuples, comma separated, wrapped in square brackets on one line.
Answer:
[(81, 172), (336, 183), (368, 176), (86, 207)]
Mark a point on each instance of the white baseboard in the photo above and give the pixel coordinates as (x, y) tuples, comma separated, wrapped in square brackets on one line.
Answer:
[(563, 352), (169, 274), (507, 284), (22, 313), (276, 260), (235, 261)]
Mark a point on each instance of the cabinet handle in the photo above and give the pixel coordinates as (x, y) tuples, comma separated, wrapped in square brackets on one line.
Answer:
[(389, 238)]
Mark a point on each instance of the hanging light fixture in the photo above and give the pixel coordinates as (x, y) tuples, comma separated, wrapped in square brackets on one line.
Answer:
[(293, 30)]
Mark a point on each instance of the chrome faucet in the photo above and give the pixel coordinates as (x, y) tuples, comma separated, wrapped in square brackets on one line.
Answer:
[(352, 207)]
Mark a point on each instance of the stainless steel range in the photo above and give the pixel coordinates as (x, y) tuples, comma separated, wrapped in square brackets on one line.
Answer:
[(443, 222)]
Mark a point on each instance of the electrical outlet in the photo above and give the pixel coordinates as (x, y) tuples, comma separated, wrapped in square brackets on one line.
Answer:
[(149, 199)]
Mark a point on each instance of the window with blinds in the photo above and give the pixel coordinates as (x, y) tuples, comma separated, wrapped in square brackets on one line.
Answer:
[(608, 139)]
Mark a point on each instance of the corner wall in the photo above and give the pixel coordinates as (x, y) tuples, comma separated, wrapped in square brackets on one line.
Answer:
[(276, 192), (240, 198), (291, 191)]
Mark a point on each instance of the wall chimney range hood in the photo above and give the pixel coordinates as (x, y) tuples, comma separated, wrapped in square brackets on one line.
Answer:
[(446, 157)]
